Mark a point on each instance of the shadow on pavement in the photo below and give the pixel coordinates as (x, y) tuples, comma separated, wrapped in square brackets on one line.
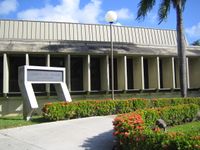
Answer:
[(104, 141)]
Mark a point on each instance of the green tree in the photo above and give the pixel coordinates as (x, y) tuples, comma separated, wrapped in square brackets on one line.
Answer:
[(146, 6), (196, 43)]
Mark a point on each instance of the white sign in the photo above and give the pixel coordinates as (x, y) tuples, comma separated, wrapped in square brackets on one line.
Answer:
[(28, 75)]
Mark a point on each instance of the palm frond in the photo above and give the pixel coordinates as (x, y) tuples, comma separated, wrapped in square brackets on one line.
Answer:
[(163, 10), (144, 7)]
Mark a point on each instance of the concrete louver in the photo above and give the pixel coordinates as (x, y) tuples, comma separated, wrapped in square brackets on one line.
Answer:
[(61, 31)]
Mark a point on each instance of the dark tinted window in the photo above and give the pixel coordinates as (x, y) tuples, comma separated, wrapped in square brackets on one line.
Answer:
[(146, 74), (38, 61), (1, 74), (130, 73), (14, 63), (115, 73), (95, 74), (76, 73)]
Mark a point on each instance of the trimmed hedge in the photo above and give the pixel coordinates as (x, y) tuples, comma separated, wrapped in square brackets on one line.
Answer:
[(64, 110), (135, 130), (172, 115)]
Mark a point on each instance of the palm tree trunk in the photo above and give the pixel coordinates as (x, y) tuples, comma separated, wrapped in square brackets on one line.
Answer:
[(181, 50)]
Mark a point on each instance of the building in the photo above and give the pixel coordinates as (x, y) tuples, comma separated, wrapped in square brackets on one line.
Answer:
[(144, 58)]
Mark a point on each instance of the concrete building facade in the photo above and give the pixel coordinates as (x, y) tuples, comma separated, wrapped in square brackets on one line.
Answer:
[(144, 58)]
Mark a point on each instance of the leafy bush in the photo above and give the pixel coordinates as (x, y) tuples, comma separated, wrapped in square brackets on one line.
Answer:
[(135, 130), (64, 110), (172, 115)]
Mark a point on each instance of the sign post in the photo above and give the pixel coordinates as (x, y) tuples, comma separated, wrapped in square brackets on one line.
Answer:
[(28, 75)]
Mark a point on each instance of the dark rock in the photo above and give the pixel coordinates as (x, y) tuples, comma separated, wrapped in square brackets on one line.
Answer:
[(161, 124)]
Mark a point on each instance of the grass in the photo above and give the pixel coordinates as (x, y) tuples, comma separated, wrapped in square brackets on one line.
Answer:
[(189, 128), (18, 121)]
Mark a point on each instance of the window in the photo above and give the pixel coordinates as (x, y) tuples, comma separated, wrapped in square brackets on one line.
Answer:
[(14, 63), (76, 73), (38, 61), (130, 73), (146, 74), (95, 74), (115, 74), (1, 74)]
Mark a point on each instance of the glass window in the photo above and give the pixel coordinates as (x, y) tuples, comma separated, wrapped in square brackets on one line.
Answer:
[(1, 74), (76, 73), (161, 72), (146, 74), (95, 74), (130, 73), (38, 61), (14, 63), (56, 62), (115, 74)]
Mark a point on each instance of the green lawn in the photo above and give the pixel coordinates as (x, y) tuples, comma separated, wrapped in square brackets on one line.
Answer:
[(17, 121), (189, 128)]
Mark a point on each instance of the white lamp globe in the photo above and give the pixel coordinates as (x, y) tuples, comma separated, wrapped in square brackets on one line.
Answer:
[(111, 16)]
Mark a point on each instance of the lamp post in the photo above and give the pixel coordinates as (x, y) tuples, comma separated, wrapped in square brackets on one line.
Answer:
[(111, 17)]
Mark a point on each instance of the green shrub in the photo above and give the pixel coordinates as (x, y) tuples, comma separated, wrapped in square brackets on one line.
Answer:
[(134, 130), (60, 111)]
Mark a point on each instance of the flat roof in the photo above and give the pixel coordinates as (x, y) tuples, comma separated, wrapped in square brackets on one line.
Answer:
[(61, 31)]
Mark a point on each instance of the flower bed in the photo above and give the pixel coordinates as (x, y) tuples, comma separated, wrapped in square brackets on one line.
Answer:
[(63, 110), (137, 130)]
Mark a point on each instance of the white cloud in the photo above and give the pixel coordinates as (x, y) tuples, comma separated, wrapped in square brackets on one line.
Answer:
[(193, 31), (66, 10), (90, 13), (117, 24), (7, 6), (124, 13)]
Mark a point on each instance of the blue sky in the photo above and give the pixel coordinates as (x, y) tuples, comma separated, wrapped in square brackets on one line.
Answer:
[(93, 11)]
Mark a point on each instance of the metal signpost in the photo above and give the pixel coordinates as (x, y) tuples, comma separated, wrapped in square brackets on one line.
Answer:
[(28, 75)]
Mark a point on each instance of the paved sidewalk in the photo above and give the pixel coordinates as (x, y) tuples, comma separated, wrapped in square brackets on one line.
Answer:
[(94, 133)]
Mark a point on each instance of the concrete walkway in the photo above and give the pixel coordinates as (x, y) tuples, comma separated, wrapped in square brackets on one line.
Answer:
[(94, 133)]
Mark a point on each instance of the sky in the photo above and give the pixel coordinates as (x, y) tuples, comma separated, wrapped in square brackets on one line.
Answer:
[(93, 12)]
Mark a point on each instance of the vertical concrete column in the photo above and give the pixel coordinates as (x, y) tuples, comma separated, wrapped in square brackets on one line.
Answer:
[(104, 68), (173, 73), (125, 74), (5, 75), (27, 59), (187, 71), (48, 60), (122, 73), (138, 73), (86, 74), (153, 73), (48, 65), (168, 73), (68, 72), (158, 72)]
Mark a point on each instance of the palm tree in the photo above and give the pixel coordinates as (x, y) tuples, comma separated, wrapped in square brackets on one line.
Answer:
[(145, 6), (196, 43)]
